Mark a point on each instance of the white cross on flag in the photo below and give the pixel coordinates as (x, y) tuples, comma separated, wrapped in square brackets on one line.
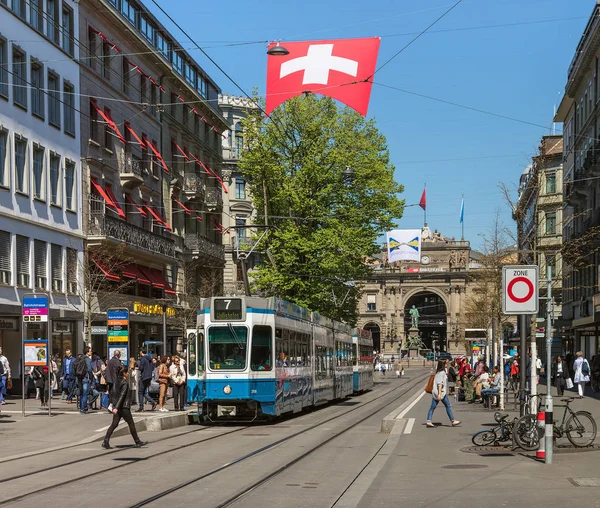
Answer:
[(340, 69)]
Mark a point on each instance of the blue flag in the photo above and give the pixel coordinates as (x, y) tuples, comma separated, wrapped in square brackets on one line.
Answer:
[(462, 210)]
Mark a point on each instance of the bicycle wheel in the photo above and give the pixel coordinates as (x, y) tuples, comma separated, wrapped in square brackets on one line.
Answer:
[(484, 438), (526, 433), (581, 429)]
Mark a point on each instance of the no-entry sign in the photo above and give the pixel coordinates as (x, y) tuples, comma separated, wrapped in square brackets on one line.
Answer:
[(520, 289)]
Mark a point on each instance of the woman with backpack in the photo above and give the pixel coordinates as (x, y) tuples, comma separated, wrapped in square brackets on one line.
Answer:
[(582, 373)]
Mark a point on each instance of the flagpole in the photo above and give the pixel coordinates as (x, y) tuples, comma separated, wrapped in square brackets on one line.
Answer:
[(425, 209), (462, 219)]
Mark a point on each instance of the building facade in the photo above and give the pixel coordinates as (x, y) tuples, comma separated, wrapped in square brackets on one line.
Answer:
[(41, 233), (580, 115), (151, 146)]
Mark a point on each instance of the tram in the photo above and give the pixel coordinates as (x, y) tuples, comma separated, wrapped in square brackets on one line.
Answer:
[(362, 355), (256, 358)]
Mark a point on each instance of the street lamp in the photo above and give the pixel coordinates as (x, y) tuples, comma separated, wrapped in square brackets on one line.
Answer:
[(277, 50), (348, 174)]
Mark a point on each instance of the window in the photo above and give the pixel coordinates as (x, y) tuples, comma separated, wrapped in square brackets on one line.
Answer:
[(240, 231), (57, 268), (106, 58), (162, 45), (3, 151), (155, 163), (190, 74), (3, 68), (240, 189), (154, 100), (69, 107), (239, 140), (38, 173), (261, 356), (227, 347), (92, 47), (201, 86), (54, 99), (550, 182), (143, 88), (71, 270), (37, 89), (52, 20), (128, 10), (147, 29), (19, 8), (93, 123), (371, 303), (19, 77), (54, 179), (5, 271), (108, 132), (177, 62), (39, 263), (550, 223), (69, 185), (20, 158), (22, 261), (67, 30), (36, 14), (125, 75)]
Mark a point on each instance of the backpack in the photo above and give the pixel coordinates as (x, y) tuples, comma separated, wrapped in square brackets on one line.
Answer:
[(1, 368), (79, 368), (585, 368)]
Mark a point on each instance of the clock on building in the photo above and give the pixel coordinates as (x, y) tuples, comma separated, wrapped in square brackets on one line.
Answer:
[(425, 260)]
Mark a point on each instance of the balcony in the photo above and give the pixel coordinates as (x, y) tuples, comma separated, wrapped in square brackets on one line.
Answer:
[(193, 187), (130, 235), (204, 247), (131, 172), (214, 199)]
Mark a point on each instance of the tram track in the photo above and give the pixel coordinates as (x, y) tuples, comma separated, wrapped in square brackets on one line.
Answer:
[(266, 478)]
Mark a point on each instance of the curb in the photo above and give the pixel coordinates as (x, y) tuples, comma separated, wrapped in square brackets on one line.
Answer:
[(154, 423)]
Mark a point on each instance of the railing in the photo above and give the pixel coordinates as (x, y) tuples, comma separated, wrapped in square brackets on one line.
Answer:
[(129, 164), (101, 225), (213, 198), (198, 243), (193, 185)]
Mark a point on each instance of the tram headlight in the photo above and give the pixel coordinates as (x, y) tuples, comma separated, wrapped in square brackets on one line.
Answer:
[(227, 390)]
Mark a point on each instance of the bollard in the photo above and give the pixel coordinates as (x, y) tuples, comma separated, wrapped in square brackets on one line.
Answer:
[(541, 451)]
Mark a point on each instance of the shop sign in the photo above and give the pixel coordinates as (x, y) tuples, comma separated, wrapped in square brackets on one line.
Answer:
[(99, 330), (145, 308), (587, 333), (9, 323), (61, 326)]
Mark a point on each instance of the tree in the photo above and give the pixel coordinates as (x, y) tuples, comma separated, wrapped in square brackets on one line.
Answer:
[(322, 224)]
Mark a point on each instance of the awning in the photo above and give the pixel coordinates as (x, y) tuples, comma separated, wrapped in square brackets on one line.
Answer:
[(134, 134), (185, 208), (157, 279), (210, 171), (157, 217), (109, 121), (109, 201), (139, 208), (198, 217), (116, 203), (105, 270), (157, 153), (132, 271), (181, 151)]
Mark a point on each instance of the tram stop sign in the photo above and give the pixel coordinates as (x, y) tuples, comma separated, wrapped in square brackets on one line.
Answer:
[(520, 289)]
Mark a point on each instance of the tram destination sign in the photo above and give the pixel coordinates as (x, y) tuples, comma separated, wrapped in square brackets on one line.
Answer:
[(117, 326), (228, 309)]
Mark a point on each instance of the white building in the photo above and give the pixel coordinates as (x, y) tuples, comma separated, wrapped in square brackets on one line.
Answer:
[(41, 238)]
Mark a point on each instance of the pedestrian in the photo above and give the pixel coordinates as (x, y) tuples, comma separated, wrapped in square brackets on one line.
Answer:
[(83, 372), (133, 378), (479, 367), (53, 376), (178, 377), (452, 377), (5, 377), (67, 376), (110, 375), (582, 373), (145, 380), (514, 373), (560, 373), (163, 381), (122, 409), (440, 394), (41, 382)]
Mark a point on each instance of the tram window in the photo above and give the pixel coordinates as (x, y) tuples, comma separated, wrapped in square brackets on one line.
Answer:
[(304, 351), (191, 359), (354, 360), (261, 356), (227, 347), (292, 349)]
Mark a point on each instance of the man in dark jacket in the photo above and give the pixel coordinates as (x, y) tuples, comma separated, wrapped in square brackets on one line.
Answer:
[(68, 376), (111, 376), (145, 379), (85, 382)]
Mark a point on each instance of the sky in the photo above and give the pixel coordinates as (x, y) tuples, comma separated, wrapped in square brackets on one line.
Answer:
[(508, 57)]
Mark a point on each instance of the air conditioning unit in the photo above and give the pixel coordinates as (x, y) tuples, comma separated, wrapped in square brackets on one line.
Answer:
[(5, 277), (56, 285), (40, 282), (23, 280)]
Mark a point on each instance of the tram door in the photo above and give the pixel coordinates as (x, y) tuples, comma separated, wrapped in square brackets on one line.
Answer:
[(196, 385)]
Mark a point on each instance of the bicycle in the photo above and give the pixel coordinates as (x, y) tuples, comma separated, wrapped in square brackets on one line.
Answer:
[(579, 428), (595, 381), (498, 434)]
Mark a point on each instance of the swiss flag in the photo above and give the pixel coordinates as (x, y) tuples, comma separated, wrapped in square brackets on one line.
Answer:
[(336, 68)]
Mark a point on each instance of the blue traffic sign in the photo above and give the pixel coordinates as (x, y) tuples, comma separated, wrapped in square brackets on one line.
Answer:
[(117, 314)]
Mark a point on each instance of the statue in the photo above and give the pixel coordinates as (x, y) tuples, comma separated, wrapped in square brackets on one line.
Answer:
[(414, 317)]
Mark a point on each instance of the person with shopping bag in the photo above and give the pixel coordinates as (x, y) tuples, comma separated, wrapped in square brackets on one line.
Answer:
[(561, 376), (438, 387)]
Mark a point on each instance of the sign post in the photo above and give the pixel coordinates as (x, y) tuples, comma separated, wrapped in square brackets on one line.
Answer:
[(117, 332)]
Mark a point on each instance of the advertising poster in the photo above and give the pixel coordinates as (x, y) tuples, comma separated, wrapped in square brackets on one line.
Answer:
[(404, 245), (123, 348), (36, 353)]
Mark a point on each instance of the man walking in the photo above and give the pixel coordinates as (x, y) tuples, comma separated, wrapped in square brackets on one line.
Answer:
[(145, 379), (67, 376), (4, 376), (83, 371), (111, 375)]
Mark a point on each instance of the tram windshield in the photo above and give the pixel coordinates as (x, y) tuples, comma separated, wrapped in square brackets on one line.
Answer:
[(227, 347)]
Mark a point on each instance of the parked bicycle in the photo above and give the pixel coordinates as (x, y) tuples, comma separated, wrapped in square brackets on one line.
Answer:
[(501, 433), (578, 426)]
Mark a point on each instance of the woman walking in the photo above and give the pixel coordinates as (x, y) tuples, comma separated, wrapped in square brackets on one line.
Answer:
[(177, 372), (582, 373), (40, 377), (163, 381), (560, 371), (440, 393), (122, 409)]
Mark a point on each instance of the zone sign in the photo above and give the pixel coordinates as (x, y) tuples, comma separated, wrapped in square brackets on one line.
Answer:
[(520, 289)]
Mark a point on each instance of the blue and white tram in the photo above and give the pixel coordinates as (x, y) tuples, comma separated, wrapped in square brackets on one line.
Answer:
[(362, 359), (263, 357)]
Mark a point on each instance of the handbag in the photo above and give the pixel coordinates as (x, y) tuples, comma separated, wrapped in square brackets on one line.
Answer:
[(429, 385), (8, 383), (569, 383)]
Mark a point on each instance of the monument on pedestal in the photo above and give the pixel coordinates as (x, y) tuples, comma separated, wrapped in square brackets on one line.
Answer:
[(413, 340)]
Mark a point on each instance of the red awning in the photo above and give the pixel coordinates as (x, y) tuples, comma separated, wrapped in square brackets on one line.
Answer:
[(185, 208), (132, 271), (198, 217), (181, 151), (157, 153), (103, 193), (134, 134), (109, 121), (158, 279), (105, 270), (139, 208), (116, 203), (157, 217)]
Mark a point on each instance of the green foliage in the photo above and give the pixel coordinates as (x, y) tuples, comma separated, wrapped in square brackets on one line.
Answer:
[(324, 225)]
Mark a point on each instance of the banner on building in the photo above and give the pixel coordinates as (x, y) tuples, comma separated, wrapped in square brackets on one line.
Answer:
[(404, 245)]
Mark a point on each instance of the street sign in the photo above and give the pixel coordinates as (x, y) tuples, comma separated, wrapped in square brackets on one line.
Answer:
[(520, 289), (35, 308), (117, 326), (99, 330)]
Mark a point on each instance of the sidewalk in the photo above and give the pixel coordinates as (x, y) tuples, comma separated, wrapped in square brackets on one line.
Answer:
[(429, 467)]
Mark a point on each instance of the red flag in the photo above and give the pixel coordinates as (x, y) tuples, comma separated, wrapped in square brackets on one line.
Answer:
[(423, 202), (340, 69)]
